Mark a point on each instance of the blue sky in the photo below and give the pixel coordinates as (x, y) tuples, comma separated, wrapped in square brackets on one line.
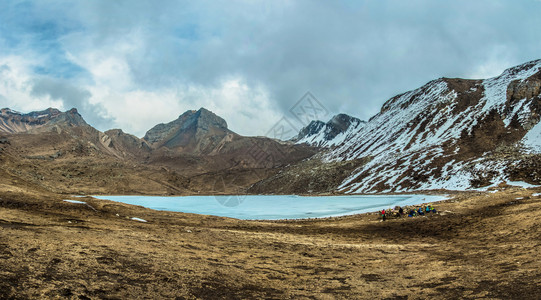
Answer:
[(133, 64)]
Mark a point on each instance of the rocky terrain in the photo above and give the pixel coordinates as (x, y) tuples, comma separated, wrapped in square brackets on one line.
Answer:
[(453, 134), (199, 132)]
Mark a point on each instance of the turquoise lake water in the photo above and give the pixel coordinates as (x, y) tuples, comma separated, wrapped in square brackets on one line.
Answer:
[(273, 207)]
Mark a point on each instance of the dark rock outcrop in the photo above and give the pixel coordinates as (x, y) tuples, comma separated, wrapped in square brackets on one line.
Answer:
[(320, 134)]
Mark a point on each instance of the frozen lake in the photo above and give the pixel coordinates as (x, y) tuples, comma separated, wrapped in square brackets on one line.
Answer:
[(273, 207)]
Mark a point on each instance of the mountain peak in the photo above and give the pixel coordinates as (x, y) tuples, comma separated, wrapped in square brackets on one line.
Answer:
[(191, 131), (531, 66), (207, 118), (332, 133), (8, 111)]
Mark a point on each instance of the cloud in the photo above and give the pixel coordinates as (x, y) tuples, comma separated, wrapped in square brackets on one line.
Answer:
[(247, 109), (22, 90), (16, 85), (134, 64), (71, 96)]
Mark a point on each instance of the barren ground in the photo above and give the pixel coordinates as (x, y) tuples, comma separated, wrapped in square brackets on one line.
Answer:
[(483, 245)]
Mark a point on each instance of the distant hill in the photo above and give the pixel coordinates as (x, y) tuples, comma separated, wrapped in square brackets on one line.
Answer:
[(15, 122)]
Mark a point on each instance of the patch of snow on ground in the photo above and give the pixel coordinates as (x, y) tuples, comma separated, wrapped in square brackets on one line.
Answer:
[(518, 107), (522, 184), (139, 219), (75, 201)]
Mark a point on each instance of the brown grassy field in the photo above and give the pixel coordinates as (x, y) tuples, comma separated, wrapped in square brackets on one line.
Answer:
[(482, 245)]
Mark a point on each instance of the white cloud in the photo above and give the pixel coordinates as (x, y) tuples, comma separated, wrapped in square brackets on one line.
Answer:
[(494, 63), (246, 106), (107, 62), (247, 109), (250, 61), (16, 83)]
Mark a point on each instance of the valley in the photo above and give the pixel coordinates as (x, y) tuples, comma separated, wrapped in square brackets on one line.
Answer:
[(463, 138)]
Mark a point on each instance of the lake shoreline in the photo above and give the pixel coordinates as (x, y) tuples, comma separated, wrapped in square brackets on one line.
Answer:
[(277, 207)]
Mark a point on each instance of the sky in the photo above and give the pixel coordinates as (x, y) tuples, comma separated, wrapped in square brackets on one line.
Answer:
[(133, 64)]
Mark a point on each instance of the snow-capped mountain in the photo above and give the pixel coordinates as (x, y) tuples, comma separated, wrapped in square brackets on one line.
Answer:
[(339, 129), (449, 133)]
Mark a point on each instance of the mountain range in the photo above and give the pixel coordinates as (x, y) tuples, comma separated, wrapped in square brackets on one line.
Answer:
[(451, 133), (197, 149)]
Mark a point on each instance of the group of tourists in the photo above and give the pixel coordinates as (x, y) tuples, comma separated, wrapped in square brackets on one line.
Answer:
[(410, 211)]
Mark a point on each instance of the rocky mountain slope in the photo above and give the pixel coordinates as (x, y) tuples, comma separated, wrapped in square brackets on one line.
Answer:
[(451, 134), (72, 126), (199, 132), (337, 130)]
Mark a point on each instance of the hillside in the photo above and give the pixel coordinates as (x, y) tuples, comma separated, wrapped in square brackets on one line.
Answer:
[(451, 133)]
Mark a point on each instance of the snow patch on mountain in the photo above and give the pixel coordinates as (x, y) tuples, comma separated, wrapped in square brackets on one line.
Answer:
[(532, 140), (496, 87)]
